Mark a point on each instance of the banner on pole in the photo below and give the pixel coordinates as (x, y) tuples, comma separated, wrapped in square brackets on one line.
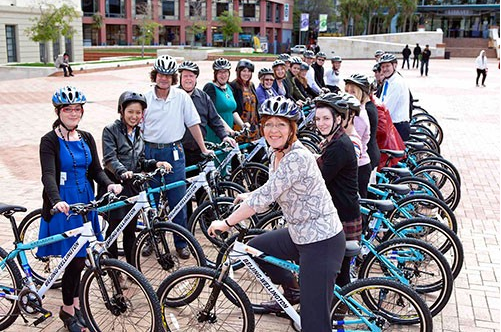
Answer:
[(322, 27), (305, 21), (286, 12)]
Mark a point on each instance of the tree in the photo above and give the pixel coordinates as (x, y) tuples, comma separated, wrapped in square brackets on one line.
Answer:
[(407, 9), (314, 9), (52, 23), (231, 24), (147, 27), (200, 23)]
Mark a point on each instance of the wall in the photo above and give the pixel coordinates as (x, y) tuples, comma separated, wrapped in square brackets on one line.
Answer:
[(363, 47)]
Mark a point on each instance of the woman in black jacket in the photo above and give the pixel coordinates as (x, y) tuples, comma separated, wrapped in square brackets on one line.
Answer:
[(70, 166), (123, 155)]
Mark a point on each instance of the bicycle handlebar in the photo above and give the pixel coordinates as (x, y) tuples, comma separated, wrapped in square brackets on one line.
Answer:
[(82, 208)]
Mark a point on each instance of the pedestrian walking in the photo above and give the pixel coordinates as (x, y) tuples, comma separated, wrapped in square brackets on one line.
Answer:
[(406, 53), (481, 64), (425, 59), (416, 52)]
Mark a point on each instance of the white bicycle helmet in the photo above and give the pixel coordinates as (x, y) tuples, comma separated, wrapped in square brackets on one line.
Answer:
[(280, 106), (221, 64), (165, 64), (190, 66)]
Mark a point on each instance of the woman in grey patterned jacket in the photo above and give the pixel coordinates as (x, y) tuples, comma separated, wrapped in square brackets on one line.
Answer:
[(314, 236)]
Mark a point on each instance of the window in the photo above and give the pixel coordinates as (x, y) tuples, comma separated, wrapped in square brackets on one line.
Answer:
[(56, 48), (115, 8), (141, 7), (10, 36), (41, 48), (196, 8), (168, 8), (220, 8), (268, 11), (249, 10), (89, 7), (278, 14)]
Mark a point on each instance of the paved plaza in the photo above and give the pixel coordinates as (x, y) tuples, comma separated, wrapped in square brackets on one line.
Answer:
[(470, 117)]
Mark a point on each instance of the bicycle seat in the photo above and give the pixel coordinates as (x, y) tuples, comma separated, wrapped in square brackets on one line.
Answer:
[(352, 248), (399, 189), (396, 171), (393, 153), (9, 209), (414, 145), (377, 204)]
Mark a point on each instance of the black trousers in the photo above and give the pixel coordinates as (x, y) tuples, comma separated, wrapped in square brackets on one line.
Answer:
[(320, 263), (364, 174), (403, 63), (404, 129), (415, 62), (482, 72), (70, 282), (66, 69)]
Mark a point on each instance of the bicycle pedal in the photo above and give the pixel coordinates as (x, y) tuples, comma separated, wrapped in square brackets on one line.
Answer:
[(42, 319)]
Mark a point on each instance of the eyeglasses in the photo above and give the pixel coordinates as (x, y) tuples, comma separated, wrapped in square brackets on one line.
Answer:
[(71, 110), (319, 59), (279, 126), (268, 79)]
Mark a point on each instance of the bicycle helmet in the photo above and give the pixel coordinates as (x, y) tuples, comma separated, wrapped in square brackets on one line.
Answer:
[(373, 83), (265, 71), (377, 67), (336, 58), (190, 66), (308, 54), (129, 96), (304, 66), (277, 62), (359, 80), (353, 103), (284, 57), (245, 63), (68, 95), (321, 55), (378, 53), (388, 57), (334, 101), (280, 106), (165, 64), (296, 60), (221, 64)]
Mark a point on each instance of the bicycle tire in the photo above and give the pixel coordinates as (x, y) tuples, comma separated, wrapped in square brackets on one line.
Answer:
[(434, 128), (41, 267), (441, 162), (420, 186), (423, 153), (310, 145), (435, 233), (402, 306), (428, 139), (436, 209), (164, 259), (223, 189), (420, 129), (431, 277), (191, 287), (10, 279), (125, 307), (251, 175), (270, 221), (313, 136), (444, 180)]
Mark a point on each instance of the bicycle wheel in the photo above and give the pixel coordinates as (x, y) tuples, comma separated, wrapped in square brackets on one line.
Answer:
[(435, 233), (441, 162), (428, 139), (310, 145), (381, 303), (423, 206), (193, 299), (251, 175), (164, 259), (423, 153), (420, 186), (444, 180), (11, 282), (271, 221), (200, 220), (130, 305), (420, 263), (41, 267), (223, 189), (310, 134), (434, 127)]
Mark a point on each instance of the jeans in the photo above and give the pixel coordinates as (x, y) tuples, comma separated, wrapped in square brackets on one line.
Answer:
[(179, 174), (424, 63)]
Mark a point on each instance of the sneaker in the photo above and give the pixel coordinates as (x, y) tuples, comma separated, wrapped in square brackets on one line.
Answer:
[(183, 253)]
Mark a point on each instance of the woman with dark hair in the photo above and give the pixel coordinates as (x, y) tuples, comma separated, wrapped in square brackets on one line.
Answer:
[(314, 236), (302, 82), (70, 166)]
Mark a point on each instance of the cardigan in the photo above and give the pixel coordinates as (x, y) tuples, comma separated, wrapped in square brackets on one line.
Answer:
[(51, 169)]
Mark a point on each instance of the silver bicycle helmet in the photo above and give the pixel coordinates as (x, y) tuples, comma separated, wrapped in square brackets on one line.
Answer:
[(190, 66), (277, 62), (129, 96), (68, 95), (388, 57), (304, 66), (166, 65), (321, 55), (336, 58), (284, 57), (353, 103), (296, 60), (280, 106), (221, 64), (334, 101), (265, 71), (359, 80), (308, 54), (378, 53)]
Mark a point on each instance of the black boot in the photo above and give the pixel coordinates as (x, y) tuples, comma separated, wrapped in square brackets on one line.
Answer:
[(70, 322), (291, 294)]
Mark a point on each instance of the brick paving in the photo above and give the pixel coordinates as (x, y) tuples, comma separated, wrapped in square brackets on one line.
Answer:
[(468, 115)]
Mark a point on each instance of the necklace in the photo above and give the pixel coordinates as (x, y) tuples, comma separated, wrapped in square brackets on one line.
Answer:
[(74, 160)]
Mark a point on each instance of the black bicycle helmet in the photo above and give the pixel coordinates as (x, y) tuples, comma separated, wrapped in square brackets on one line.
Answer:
[(378, 53), (165, 64), (353, 103), (321, 55), (245, 63), (334, 101), (265, 71), (129, 96), (277, 62), (284, 57), (377, 67), (309, 54), (296, 60), (221, 64), (280, 106), (68, 95), (388, 57), (190, 66), (336, 58), (359, 80), (304, 66)]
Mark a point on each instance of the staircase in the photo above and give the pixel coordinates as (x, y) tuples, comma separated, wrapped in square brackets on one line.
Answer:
[(468, 47)]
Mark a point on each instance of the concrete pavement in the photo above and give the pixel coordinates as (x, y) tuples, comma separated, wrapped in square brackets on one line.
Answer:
[(468, 115)]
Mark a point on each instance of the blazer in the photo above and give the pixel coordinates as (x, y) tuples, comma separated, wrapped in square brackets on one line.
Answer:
[(239, 95)]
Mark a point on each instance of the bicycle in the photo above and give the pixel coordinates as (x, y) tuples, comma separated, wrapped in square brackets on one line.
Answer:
[(202, 298), (111, 291)]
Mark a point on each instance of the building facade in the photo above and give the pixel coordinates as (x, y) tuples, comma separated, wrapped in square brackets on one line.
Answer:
[(271, 20)]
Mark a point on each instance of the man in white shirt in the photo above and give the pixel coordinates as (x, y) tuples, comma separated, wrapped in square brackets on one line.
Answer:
[(309, 58), (395, 95), (332, 77), (169, 110)]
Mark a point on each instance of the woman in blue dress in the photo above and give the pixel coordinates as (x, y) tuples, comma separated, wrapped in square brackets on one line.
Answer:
[(70, 165)]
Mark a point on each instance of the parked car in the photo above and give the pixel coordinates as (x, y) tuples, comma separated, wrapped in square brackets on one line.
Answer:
[(299, 49)]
